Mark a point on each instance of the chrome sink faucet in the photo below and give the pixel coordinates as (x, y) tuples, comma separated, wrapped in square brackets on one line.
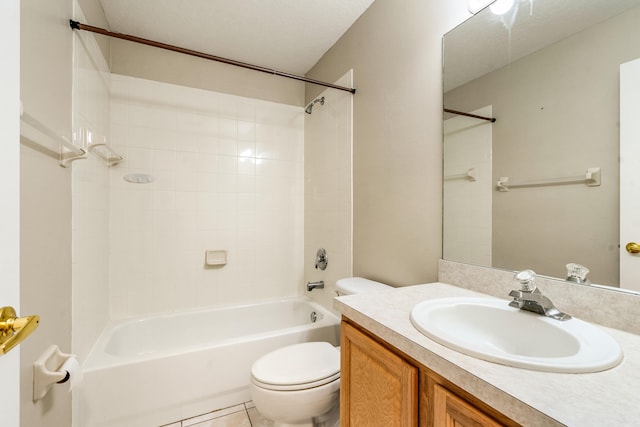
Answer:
[(529, 297)]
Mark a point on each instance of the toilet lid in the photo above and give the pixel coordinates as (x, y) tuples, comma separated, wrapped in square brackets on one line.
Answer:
[(359, 285), (297, 365)]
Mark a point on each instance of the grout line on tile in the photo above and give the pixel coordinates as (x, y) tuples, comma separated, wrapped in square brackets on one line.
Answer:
[(248, 416), (213, 415)]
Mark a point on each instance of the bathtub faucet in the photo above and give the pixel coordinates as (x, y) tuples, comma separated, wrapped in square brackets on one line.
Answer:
[(312, 285)]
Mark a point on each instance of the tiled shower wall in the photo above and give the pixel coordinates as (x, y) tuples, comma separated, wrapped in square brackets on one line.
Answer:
[(328, 189), (467, 147), (90, 195), (227, 175)]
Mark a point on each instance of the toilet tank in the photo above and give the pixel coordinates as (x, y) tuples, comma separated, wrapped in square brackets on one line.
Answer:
[(359, 285)]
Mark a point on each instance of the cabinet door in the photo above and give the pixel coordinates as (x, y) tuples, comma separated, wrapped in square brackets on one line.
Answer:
[(451, 411), (377, 387)]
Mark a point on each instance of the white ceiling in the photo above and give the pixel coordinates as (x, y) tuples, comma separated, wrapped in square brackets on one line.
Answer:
[(285, 35)]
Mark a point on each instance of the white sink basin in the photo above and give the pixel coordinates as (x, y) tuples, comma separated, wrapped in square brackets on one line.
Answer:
[(489, 329)]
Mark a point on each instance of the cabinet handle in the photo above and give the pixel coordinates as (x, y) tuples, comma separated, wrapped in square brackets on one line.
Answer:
[(13, 329)]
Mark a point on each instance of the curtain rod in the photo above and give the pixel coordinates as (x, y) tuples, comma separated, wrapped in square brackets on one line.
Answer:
[(79, 26), (460, 113)]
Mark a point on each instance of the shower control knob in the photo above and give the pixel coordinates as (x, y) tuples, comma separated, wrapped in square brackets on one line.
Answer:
[(322, 259)]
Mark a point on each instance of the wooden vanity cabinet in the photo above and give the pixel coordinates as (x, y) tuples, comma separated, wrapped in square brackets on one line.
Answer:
[(451, 410), (379, 386)]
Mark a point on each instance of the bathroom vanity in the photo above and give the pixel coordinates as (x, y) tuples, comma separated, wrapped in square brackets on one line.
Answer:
[(393, 375), (383, 386)]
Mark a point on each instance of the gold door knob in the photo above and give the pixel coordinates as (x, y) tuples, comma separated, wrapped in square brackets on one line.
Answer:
[(13, 330), (632, 248)]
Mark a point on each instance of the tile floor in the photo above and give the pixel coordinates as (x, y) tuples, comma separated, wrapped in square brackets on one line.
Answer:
[(243, 415)]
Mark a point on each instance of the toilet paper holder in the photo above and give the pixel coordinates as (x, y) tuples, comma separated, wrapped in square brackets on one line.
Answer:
[(48, 370)]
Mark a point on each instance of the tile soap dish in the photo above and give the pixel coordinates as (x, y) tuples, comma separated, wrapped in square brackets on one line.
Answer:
[(215, 258)]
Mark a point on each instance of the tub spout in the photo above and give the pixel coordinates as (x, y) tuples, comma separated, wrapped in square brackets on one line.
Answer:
[(313, 285)]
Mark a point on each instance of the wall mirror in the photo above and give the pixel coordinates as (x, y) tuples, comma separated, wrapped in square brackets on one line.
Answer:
[(541, 187)]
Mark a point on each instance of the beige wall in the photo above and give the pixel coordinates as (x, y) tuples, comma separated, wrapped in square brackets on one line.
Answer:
[(45, 202), (571, 124), (151, 63), (45, 270), (94, 15), (395, 52)]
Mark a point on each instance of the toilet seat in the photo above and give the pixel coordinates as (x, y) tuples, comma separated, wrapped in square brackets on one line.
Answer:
[(296, 387), (297, 367)]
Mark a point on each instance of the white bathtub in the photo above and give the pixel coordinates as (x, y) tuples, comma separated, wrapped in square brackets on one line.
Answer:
[(157, 370)]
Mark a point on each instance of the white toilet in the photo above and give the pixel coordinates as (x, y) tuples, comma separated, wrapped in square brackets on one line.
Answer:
[(359, 285), (299, 385)]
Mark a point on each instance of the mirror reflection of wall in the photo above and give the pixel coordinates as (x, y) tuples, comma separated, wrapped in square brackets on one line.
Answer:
[(557, 113), (468, 184)]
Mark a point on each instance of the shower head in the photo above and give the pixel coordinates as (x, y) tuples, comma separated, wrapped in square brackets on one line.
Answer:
[(312, 103)]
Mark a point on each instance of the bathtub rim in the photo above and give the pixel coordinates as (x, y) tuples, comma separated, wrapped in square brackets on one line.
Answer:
[(98, 358)]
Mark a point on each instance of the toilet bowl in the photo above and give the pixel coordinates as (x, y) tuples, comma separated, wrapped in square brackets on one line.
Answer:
[(299, 385)]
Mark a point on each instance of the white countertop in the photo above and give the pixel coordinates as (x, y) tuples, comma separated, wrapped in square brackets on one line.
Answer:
[(607, 398)]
